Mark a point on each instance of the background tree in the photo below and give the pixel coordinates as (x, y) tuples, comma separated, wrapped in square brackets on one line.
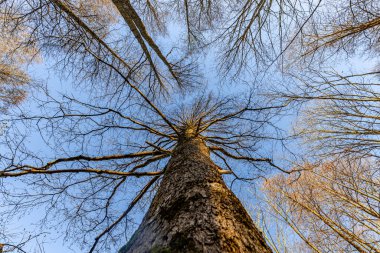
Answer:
[(338, 127), (333, 206), (13, 77), (339, 113)]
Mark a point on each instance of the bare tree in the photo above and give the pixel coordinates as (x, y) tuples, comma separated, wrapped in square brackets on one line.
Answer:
[(338, 122), (343, 27), (339, 113), (13, 77), (86, 185), (341, 104), (333, 206)]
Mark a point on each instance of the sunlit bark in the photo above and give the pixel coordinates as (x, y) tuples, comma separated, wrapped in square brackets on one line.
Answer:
[(194, 211)]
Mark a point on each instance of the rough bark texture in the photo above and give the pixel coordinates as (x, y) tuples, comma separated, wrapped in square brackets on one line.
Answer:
[(194, 211)]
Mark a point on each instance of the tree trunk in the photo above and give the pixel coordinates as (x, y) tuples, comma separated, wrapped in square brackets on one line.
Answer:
[(194, 211)]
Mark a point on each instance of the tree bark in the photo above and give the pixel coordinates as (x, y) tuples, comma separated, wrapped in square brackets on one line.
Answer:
[(194, 211)]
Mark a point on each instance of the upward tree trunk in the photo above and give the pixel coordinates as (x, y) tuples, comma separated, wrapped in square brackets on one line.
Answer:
[(194, 211)]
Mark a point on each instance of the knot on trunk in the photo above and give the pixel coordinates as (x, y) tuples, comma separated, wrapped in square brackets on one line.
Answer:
[(188, 131)]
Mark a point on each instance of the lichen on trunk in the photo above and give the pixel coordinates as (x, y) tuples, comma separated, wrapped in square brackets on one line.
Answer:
[(194, 211)]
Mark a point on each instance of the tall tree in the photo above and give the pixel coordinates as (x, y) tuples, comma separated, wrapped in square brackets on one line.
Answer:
[(193, 209), (90, 172)]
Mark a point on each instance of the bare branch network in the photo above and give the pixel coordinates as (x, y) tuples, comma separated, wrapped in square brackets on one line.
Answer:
[(94, 184), (89, 154)]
